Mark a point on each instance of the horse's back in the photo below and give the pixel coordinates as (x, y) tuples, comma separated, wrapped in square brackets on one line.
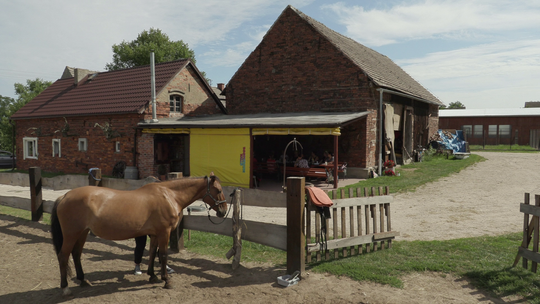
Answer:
[(110, 213)]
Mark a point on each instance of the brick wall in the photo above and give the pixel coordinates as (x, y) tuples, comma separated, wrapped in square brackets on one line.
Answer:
[(101, 150), (294, 69)]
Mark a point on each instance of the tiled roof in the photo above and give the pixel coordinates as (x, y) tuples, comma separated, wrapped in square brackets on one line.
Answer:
[(381, 69), (114, 92)]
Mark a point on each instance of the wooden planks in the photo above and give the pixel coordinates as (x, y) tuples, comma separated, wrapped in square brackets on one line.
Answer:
[(356, 222)]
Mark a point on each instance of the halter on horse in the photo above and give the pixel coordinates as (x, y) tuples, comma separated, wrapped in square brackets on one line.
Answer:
[(153, 210)]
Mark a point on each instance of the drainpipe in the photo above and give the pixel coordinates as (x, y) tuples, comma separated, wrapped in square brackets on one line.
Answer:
[(153, 85), (380, 130)]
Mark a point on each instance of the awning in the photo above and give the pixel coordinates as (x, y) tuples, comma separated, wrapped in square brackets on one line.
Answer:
[(296, 131)]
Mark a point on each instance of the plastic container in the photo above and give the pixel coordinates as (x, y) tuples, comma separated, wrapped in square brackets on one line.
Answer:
[(131, 173)]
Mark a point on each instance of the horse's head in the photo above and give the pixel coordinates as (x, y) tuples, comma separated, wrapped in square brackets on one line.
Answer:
[(214, 196)]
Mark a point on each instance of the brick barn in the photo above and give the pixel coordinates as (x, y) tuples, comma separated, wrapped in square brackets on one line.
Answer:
[(303, 66), (89, 119)]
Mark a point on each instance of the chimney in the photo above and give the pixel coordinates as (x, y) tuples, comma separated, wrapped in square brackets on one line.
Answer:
[(221, 86), (79, 74)]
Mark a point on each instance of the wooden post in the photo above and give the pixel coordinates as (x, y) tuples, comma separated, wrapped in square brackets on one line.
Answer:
[(536, 237), (176, 240), (296, 239), (94, 177), (526, 233), (236, 250), (36, 202)]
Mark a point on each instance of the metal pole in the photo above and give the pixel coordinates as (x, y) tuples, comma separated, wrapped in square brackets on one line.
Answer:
[(153, 85), (380, 131)]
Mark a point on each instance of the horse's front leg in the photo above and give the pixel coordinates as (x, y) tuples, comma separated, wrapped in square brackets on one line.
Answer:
[(163, 254), (153, 249)]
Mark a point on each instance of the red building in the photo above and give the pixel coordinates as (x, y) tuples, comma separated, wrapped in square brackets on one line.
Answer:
[(519, 126)]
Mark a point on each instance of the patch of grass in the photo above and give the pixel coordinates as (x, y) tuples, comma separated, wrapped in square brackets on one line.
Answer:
[(217, 245), (503, 148), (23, 214), (486, 261), (419, 173)]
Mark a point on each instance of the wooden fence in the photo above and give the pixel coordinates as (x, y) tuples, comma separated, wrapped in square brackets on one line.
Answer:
[(368, 230), (528, 229), (360, 223)]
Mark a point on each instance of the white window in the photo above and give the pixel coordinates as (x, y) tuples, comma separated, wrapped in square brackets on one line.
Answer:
[(83, 144), (117, 146), (176, 103), (56, 148), (30, 147)]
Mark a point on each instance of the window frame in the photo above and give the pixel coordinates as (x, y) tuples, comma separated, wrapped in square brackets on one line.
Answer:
[(117, 147), (84, 141), (468, 130), (57, 140), (173, 108), (493, 133), (34, 141)]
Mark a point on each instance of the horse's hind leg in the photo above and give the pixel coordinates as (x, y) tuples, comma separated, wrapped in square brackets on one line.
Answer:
[(63, 260), (153, 249), (77, 252), (163, 254)]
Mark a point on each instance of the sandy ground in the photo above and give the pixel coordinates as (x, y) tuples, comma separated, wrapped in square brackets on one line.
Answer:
[(481, 200)]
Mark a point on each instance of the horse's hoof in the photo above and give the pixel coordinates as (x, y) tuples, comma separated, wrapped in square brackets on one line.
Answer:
[(85, 283), (168, 285), (66, 292), (154, 279)]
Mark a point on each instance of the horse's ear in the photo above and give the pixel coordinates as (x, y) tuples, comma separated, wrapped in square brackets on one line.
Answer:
[(212, 173)]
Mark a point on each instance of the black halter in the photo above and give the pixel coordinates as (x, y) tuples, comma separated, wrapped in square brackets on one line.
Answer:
[(216, 202)]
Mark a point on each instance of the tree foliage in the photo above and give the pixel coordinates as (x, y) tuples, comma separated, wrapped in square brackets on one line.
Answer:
[(8, 106), (137, 52), (453, 105)]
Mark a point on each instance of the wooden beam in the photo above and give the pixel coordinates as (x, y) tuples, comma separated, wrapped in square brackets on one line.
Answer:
[(296, 238)]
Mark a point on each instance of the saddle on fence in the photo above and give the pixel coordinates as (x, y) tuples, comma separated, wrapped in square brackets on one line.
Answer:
[(320, 199), (322, 202)]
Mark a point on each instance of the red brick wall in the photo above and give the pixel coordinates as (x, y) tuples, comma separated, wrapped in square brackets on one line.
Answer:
[(101, 150)]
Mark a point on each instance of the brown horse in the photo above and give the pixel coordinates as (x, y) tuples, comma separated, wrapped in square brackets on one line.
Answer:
[(153, 210)]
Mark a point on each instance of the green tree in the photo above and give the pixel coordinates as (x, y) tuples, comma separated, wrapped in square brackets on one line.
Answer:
[(8, 106), (137, 52), (453, 105)]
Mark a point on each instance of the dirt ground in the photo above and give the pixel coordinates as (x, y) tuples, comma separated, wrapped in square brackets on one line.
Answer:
[(481, 200)]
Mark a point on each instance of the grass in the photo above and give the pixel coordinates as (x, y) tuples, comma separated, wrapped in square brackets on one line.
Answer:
[(504, 148), (419, 173)]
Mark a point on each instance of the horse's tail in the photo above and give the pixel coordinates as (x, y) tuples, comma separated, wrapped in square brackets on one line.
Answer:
[(56, 229)]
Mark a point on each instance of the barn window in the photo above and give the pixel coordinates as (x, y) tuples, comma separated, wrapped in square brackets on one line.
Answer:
[(505, 131), (492, 131), (478, 131), (83, 144), (56, 148), (117, 146), (30, 147), (467, 129), (175, 102)]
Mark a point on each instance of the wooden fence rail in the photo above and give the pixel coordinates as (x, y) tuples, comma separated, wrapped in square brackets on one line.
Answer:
[(528, 229)]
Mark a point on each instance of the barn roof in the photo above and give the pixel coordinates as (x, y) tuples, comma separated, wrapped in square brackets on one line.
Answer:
[(501, 112), (379, 68)]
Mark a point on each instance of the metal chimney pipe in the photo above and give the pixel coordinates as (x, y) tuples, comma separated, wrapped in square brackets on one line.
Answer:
[(153, 85)]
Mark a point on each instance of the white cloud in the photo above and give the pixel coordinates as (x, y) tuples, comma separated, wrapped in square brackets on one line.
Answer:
[(495, 74), (459, 19)]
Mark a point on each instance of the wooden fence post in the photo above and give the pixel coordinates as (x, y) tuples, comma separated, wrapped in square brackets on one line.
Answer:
[(94, 177), (236, 250), (296, 240), (176, 240), (36, 202)]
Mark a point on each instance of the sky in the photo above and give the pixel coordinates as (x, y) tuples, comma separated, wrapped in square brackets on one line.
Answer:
[(483, 53)]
